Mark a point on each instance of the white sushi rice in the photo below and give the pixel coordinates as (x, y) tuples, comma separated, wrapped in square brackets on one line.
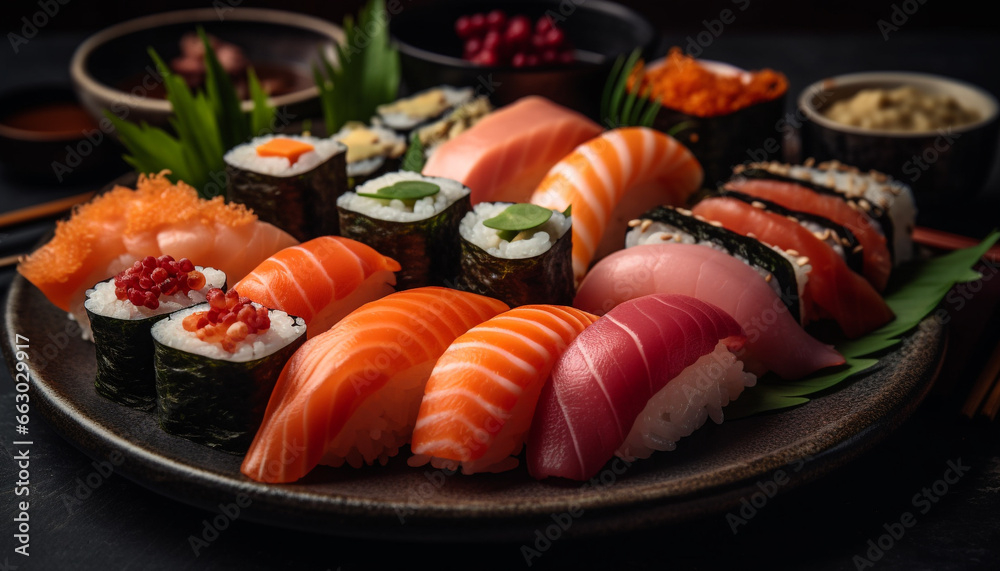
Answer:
[(397, 210), (402, 121), (698, 393), (525, 245), (393, 141), (660, 232), (101, 299), (245, 156), (283, 330)]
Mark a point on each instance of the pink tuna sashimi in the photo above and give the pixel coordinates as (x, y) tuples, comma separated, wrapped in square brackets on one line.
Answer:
[(775, 342), (610, 372)]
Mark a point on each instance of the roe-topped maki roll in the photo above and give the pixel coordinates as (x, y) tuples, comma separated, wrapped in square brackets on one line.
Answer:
[(410, 218), (123, 309), (291, 181), (518, 253), (216, 364), (371, 151)]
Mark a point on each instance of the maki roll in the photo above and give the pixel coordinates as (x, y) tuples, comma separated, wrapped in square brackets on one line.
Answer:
[(405, 114), (410, 218), (371, 151), (291, 181), (785, 273), (124, 308), (216, 364), (518, 253), (456, 122)]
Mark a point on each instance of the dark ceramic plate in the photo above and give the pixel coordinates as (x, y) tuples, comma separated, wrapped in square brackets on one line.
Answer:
[(709, 473)]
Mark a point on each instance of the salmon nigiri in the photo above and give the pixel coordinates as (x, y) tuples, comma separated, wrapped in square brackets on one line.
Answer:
[(352, 394), (832, 290), (506, 154), (612, 179), (648, 373), (321, 280), (481, 395), (775, 341), (111, 232)]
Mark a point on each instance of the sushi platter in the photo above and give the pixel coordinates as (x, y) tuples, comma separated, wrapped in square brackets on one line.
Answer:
[(438, 315)]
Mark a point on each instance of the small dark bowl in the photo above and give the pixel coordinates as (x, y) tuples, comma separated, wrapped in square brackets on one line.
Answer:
[(720, 142), (430, 51), (942, 167), (46, 156), (113, 69)]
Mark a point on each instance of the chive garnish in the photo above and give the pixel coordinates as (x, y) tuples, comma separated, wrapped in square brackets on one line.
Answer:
[(518, 218), (404, 190)]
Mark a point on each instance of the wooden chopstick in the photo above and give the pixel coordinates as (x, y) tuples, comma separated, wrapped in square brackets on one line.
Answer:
[(9, 260), (948, 241), (44, 210), (988, 378)]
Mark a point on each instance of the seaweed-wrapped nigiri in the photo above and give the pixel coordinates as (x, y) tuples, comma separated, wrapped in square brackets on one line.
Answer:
[(123, 309), (412, 219), (645, 375), (216, 364), (518, 253)]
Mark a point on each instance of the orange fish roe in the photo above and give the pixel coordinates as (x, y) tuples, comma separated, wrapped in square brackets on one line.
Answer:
[(681, 83)]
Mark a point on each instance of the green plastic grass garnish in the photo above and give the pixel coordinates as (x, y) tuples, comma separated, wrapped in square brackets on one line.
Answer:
[(404, 190), (914, 293), (365, 73), (518, 218), (622, 107), (205, 125)]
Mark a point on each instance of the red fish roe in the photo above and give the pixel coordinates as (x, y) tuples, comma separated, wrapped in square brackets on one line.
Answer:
[(148, 278), (229, 319)]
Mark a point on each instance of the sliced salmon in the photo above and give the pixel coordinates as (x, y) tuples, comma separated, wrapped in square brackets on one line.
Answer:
[(481, 395), (321, 280), (503, 157), (612, 179)]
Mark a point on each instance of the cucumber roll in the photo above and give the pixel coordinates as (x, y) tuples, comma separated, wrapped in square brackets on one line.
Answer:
[(405, 114), (786, 273), (371, 151), (216, 364), (291, 181), (518, 253), (410, 218), (124, 308)]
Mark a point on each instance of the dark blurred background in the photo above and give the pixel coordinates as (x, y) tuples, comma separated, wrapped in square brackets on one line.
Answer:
[(682, 17)]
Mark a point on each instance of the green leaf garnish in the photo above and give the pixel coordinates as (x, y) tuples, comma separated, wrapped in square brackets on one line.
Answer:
[(915, 292), (568, 212), (518, 218), (366, 73), (404, 190), (414, 158), (622, 107), (205, 125)]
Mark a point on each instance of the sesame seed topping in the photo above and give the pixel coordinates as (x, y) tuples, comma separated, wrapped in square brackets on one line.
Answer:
[(810, 161), (634, 222), (645, 225), (802, 261), (666, 237), (792, 252), (768, 277), (856, 249), (758, 204), (715, 223)]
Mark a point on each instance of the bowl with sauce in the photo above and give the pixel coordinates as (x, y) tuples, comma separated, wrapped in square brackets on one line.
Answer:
[(112, 70), (47, 135), (936, 134)]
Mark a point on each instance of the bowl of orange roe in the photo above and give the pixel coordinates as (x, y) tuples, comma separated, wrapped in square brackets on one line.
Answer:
[(725, 115)]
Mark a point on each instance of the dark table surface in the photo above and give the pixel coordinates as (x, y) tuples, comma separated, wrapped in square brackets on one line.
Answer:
[(826, 524)]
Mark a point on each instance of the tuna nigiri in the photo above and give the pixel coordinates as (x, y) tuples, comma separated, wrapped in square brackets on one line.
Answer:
[(506, 154), (481, 395), (775, 341), (648, 373), (321, 280), (832, 290), (352, 394), (158, 218), (611, 180)]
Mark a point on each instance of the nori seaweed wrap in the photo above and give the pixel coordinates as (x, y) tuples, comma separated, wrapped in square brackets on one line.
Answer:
[(533, 267), (421, 234), (213, 395), (290, 181), (122, 341), (372, 151)]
